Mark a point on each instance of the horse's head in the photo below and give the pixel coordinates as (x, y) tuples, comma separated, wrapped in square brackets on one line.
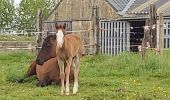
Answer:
[(60, 34), (60, 27), (48, 50)]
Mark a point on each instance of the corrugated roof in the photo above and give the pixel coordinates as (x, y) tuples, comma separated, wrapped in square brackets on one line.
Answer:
[(167, 12), (158, 4), (119, 5), (136, 4), (134, 10), (126, 7)]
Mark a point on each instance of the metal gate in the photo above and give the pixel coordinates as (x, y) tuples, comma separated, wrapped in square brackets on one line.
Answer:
[(114, 37)]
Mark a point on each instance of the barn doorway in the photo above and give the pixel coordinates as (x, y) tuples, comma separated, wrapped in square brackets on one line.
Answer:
[(136, 34)]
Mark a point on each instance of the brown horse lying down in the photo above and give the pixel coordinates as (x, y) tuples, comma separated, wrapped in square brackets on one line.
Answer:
[(31, 70), (47, 73)]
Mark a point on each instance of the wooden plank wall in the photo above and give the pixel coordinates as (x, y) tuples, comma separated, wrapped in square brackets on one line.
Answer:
[(82, 9)]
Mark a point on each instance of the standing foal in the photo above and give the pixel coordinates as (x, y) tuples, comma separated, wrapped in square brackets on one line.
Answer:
[(69, 50)]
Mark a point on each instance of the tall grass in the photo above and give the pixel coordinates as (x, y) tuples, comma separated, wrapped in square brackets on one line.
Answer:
[(127, 64)]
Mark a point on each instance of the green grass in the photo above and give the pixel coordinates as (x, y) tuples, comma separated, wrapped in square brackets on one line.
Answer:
[(102, 77), (16, 38)]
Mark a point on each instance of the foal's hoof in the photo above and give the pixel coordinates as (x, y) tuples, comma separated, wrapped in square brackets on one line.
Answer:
[(75, 91), (67, 93), (62, 93)]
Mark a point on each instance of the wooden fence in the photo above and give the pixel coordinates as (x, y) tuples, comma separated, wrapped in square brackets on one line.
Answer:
[(17, 45)]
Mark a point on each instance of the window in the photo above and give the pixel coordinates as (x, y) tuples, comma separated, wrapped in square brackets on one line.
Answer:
[(165, 28), (164, 43), (168, 43), (167, 34)]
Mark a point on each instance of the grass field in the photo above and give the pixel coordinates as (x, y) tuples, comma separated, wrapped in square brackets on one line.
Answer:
[(123, 77), (16, 38)]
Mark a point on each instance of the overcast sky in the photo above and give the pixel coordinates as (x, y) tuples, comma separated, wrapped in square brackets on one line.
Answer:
[(17, 2)]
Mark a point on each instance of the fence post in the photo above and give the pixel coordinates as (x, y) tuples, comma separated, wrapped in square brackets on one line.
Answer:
[(153, 19), (145, 39), (96, 29), (161, 33)]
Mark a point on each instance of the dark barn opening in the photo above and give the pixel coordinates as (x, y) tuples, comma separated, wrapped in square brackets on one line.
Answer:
[(136, 34)]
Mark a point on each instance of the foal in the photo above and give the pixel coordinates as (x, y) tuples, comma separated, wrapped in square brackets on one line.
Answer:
[(69, 50)]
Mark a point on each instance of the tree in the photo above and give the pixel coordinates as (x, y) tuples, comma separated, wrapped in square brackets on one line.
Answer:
[(7, 13), (27, 12)]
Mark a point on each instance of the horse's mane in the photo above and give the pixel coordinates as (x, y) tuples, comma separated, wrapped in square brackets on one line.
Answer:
[(47, 39)]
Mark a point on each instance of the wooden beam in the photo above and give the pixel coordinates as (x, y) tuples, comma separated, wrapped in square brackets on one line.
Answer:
[(96, 28), (153, 19), (161, 33), (145, 39)]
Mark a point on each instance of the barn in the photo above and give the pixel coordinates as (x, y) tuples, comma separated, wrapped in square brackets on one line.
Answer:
[(137, 14), (108, 26)]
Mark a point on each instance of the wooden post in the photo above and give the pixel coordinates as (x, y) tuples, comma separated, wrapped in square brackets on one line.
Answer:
[(150, 32), (145, 39), (97, 31), (153, 19), (96, 27), (161, 33)]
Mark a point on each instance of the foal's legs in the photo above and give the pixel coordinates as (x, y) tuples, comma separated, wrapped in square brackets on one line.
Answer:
[(67, 72), (62, 75), (76, 65)]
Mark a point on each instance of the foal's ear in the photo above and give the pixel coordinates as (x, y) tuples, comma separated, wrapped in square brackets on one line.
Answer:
[(64, 26), (56, 25)]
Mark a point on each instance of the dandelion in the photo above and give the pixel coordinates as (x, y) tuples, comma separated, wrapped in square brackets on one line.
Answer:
[(164, 91), (127, 97), (134, 81)]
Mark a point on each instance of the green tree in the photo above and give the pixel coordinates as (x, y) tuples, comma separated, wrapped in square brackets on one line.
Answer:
[(7, 13), (27, 12)]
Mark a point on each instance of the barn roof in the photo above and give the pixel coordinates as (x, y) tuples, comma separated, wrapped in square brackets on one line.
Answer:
[(167, 12), (139, 8), (135, 8), (119, 5)]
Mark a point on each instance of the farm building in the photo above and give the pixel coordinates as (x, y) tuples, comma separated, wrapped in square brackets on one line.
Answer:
[(121, 22)]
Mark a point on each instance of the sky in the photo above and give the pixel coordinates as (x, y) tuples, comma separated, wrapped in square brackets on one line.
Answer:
[(17, 2)]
